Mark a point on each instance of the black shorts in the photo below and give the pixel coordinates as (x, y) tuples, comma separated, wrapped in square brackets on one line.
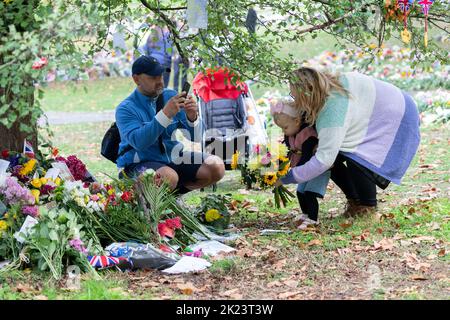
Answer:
[(186, 168)]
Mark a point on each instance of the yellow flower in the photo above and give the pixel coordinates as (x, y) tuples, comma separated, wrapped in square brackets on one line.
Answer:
[(58, 181), (284, 171), (36, 182), (270, 178), (278, 150), (283, 159), (111, 192), (212, 215), (44, 181), (234, 160), (3, 226), (36, 194), (253, 164), (372, 46), (28, 167)]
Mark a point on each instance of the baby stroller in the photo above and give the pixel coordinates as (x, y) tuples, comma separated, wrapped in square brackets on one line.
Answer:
[(229, 114)]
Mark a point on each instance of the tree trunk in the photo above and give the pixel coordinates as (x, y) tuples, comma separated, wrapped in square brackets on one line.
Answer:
[(12, 139)]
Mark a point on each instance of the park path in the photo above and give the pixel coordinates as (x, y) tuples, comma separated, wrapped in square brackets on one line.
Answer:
[(58, 118)]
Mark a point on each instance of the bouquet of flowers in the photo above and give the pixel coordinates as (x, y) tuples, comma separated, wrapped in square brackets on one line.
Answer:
[(214, 211), (265, 166)]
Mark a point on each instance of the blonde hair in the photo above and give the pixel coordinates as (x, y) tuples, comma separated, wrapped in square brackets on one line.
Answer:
[(312, 88)]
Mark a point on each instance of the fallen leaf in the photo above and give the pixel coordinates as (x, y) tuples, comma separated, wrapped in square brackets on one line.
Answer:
[(346, 225), (149, 284), (418, 277), (315, 242), (278, 265), (187, 288), (291, 283), (274, 284), (343, 251), (233, 293), (441, 253), (385, 244), (286, 295), (433, 226), (24, 288)]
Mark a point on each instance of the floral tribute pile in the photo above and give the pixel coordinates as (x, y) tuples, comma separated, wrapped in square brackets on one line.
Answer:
[(53, 214)]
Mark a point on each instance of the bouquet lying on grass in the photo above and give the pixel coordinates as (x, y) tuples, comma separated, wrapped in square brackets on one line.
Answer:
[(266, 165), (53, 214)]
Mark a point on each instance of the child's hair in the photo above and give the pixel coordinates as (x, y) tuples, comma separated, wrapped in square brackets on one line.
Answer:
[(312, 88)]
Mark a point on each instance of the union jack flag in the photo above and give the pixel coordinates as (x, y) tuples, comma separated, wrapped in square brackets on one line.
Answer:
[(405, 5), (426, 4), (104, 261), (28, 149)]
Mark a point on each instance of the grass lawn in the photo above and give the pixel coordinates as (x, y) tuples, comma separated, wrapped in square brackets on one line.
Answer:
[(106, 94), (401, 253)]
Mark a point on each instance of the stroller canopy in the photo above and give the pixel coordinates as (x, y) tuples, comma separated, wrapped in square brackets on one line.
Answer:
[(216, 84)]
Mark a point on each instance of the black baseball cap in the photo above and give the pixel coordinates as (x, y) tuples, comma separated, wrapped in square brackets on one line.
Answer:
[(148, 65)]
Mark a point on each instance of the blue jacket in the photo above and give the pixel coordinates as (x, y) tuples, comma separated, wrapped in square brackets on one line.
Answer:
[(140, 127)]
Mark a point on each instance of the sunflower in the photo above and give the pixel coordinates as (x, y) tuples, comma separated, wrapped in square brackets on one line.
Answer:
[(234, 160), (284, 171), (283, 159), (270, 178)]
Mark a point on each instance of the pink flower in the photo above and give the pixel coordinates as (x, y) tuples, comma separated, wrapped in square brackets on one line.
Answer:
[(31, 211), (196, 254), (257, 149), (265, 160), (95, 197), (174, 223), (40, 63), (78, 245)]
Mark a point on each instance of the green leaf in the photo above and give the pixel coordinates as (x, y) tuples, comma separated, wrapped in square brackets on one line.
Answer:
[(53, 235)]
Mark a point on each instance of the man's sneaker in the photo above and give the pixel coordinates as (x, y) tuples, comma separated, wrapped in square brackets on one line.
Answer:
[(308, 223)]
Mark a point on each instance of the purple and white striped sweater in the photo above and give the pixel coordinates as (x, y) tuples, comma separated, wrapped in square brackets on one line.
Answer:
[(377, 126)]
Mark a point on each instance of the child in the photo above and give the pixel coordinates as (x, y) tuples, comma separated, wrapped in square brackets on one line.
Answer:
[(302, 142)]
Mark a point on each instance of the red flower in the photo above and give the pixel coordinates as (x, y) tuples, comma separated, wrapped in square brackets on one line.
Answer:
[(5, 153), (40, 63), (174, 223), (127, 196), (55, 152), (165, 231)]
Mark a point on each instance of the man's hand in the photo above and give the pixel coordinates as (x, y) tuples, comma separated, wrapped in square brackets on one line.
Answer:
[(173, 106), (191, 108)]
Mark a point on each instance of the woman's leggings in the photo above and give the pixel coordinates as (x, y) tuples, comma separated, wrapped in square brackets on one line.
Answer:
[(353, 182)]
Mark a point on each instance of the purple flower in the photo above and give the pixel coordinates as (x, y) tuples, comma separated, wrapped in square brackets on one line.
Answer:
[(16, 194), (78, 245), (31, 211)]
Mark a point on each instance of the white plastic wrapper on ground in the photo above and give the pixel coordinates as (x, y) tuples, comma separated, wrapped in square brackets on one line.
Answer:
[(212, 247), (188, 264)]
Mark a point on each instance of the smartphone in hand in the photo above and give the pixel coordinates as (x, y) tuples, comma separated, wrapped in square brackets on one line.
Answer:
[(186, 87)]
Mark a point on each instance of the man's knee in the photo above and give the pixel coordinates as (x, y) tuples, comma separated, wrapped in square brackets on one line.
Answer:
[(216, 168), (168, 175)]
